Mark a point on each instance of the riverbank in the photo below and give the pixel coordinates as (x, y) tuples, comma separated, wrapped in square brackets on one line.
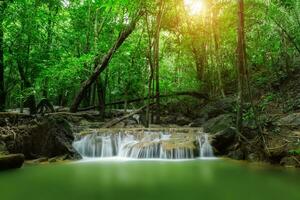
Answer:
[(49, 138)]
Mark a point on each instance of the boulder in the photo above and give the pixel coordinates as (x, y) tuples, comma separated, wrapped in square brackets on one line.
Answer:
[(218, 123), (224, 140), (253, 157), (11, 161), (237, 154), (49, 138), (168, 119), (292, 121), (215, 108), (3, 149), (290, 161), (197, 122), (182, 120), (179, 119)]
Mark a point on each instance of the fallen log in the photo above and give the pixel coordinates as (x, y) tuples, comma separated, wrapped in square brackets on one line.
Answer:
[(11, 161), (117, 120), (193, 94)]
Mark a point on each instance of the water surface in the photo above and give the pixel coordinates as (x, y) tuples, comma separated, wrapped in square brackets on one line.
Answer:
[(149, 180)]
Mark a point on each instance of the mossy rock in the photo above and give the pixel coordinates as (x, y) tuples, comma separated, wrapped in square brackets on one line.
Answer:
[(219, 123), (11, 161)]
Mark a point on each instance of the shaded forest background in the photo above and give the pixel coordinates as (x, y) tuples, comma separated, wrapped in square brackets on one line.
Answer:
[(50, 48)]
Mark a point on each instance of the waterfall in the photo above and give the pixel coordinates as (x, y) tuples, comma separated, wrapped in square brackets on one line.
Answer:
[(205, 149), (150, 145)]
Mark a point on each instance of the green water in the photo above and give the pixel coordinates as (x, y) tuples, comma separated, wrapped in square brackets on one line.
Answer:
[(153, 180)]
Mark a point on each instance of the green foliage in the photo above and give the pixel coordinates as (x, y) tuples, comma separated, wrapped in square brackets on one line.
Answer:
[(55, 42), (295, 152)]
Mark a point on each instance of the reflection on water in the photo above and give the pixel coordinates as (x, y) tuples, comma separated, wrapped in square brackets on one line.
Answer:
[(149, 180)]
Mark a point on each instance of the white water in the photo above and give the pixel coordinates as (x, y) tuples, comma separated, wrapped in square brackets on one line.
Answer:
[(151, 145)]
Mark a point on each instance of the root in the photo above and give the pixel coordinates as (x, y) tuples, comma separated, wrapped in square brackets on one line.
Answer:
[(296, 160)]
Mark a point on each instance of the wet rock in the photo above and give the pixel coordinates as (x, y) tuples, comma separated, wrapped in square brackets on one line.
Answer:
[(290, 161), (119, 125), (51, 137), (181, 121), (3, 149), (58, 158), (224, 140), (197, 122), (292, 121), (11, 161), (130, 122), (253, 157), (39, 160), (169, 119), (237, 154), (218, 123)]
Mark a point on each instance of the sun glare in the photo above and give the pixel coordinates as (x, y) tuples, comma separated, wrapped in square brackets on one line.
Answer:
[(194, 7)]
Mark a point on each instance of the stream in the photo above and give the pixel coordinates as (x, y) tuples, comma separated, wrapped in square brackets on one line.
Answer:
[(149, 179)]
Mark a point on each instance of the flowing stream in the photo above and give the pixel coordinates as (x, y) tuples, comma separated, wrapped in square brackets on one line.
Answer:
[(148, 145)]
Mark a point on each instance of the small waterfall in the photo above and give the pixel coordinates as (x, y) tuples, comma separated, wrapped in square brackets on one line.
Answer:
[(148, 145), (205, 148)]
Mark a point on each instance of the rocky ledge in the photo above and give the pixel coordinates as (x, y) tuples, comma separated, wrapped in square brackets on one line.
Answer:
[(36, 137), (11, 161)]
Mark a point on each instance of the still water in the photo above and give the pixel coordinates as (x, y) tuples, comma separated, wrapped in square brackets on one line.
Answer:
[(149, 180)]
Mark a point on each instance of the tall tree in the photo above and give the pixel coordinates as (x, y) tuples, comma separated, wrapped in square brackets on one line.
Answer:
[(241, 63), (156, 55), (2, 89)]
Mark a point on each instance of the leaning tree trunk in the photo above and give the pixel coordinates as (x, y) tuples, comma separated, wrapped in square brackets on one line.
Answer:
[(241, 62), (103, 64), (2, 89)]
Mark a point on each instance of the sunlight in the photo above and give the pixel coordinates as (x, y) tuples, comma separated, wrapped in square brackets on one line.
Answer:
[(194, 7)]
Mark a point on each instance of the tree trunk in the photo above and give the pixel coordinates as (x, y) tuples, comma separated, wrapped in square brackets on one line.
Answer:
[(216, 36), (156, 57), (48, 44), (30, 100), (2, 89), (101, 97), (103, 65), (241, 62)]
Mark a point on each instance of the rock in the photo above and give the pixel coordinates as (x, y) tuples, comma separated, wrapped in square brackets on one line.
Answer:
[(292, 121), (253, 157), (3, 149), (11, 161), (224, 140), (218, 123), (197, 122), (215, 108), (290, 161), (181, 120), (119, 125), (39, 160), (49, 138), (58, 158), (169, 119), (237, 154), (130, 122)]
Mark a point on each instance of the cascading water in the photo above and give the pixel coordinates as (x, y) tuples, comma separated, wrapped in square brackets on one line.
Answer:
[(205, 148), (147, 145)]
